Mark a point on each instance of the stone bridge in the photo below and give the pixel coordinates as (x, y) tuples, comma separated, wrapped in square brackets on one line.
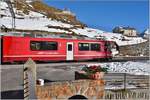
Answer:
[(85, 88), (91, 89)]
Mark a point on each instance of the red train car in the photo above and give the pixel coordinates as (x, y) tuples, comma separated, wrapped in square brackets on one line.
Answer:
[(16, 49)]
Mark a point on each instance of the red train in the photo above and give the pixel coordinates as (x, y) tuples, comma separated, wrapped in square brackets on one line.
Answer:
[(18, 49)]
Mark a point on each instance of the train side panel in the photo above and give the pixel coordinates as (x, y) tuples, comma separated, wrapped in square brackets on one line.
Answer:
[(19, 49), (49, 55), (87, 55), (15, 49)]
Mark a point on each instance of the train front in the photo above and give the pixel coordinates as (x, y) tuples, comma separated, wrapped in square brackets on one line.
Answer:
[(111, 49)]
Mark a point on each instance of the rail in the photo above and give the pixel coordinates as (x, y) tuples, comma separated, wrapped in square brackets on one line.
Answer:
[(127, 95), (126, 81)]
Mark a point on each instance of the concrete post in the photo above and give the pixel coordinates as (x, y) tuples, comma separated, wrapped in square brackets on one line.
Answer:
[(29, 79)]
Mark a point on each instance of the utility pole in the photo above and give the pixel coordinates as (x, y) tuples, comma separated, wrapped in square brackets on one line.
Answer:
[(12, 13)]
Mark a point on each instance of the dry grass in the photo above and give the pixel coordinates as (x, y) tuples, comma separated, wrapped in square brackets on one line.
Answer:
[(39, 6), (50, 12)]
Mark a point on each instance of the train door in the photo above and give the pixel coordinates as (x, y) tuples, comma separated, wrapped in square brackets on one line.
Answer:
[(69, 49)]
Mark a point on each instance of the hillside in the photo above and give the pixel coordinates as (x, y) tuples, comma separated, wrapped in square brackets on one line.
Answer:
[(50, 12), (33, 16)]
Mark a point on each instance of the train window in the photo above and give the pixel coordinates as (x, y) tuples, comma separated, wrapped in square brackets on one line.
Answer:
[(35, 45), (43, 45), (95, 47), (49, 45), (69, 47), (84, 46)]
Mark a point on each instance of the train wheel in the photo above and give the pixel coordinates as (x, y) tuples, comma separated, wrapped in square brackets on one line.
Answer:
[(104, 59), (100, 59), (108, 59), (21, 62)]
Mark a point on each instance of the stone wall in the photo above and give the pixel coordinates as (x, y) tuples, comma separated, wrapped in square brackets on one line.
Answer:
[(135, 50), (91, 89)]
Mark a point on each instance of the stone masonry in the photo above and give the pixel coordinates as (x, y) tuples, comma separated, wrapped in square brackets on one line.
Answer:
[(91, 89)]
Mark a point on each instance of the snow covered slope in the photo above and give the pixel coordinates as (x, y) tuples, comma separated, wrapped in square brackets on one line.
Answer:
[(31, 21), (35, 24), (118, 38), (136, 68), (39, 21)]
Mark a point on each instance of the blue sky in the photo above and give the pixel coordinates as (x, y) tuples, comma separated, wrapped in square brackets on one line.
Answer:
[(106, 14)]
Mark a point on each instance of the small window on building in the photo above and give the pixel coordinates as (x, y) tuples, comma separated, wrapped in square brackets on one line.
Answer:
[(43, 45), (84, 46), (95, 47)]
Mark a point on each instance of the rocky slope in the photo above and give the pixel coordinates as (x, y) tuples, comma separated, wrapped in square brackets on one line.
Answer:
[(141, 49), (50, 12)]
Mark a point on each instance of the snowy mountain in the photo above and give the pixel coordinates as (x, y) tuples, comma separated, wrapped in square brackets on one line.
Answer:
[(34, 16), (147, 33)]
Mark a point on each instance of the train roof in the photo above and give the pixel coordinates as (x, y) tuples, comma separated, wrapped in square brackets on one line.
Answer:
[(60, 36)]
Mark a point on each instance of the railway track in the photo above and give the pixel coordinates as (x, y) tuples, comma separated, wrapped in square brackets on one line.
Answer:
[(127, 80), (61, 63)]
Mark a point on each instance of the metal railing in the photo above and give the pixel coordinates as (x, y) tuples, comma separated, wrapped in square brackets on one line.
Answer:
[(137, 94)]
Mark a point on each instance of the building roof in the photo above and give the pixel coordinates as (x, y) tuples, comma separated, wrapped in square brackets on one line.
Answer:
[(129, 28)]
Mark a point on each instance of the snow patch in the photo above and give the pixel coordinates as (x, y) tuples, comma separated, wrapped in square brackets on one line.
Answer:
[(135, 68), (34, 24), (147, 31), (90, 32), (3, 5), (118, 38), (29, 1)]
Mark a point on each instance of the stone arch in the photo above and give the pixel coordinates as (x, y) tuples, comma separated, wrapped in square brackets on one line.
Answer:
[(77, 97)]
